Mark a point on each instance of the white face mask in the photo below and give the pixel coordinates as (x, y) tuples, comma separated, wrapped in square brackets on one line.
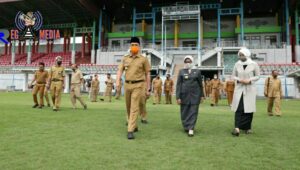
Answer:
[(215, 77), (188, 65)]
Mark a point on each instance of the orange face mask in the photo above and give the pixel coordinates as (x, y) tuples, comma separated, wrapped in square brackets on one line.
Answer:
[(134, 49)]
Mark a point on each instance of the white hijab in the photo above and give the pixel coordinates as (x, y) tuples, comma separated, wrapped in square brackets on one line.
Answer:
[(246, 53)]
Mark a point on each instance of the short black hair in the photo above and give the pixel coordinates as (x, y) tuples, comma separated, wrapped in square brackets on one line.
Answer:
[(42, 63), (108, 74), (135, 40)]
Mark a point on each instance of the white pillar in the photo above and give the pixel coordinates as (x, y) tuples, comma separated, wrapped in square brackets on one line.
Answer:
[(29, 57), (67, 83), (13, 52), (288, 54), (25, 85), (98, 56), (92, 56), (73, 57), (219, 59), (29, 52), (13, 56), (297, 50)]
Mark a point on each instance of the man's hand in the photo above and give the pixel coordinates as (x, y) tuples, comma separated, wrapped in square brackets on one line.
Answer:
[(118, 84), (147, 94), (48, 86), (178, 101)]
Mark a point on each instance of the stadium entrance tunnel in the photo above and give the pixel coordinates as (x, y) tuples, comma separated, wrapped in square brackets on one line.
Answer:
[(209, 73)]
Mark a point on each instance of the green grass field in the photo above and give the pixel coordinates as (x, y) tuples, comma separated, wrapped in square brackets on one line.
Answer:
[(96, 138)]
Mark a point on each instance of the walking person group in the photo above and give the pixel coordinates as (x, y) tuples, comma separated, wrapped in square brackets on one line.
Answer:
[(191, 89)]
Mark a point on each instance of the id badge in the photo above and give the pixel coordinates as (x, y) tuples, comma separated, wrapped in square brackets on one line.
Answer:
[(186, 76)]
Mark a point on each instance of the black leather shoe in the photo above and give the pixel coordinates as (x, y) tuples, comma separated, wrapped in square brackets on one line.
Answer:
[(130, 135), (211, 105), (34, 106), (235, 132), (144, 121), (136, 129)]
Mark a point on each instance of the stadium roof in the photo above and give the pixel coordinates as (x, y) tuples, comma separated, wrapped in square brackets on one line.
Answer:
[(84, 12)]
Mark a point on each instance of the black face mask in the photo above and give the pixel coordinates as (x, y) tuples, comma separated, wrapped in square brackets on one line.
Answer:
[(275, 76), (59, 63)]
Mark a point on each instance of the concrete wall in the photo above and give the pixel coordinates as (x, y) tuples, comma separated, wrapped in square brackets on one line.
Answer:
[(283, 55)]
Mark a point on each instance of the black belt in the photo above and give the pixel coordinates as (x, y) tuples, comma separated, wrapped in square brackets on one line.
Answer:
[(133, 82), (56, 80)]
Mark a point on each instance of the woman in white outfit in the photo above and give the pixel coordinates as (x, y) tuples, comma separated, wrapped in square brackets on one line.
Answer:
[(246, 73)]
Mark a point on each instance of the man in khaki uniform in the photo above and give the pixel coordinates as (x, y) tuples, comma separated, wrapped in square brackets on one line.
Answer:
[(229, 88), (143, 110), (109, 87), (137, 71), (76, 81), (157, 89), (40, 77), (207, 87), (56, 82), (216, 86), (273, 91), (94, 88), (168, 89)]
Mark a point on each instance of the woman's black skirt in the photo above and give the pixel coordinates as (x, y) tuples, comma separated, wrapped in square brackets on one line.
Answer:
[(243, 120), (189, 114)]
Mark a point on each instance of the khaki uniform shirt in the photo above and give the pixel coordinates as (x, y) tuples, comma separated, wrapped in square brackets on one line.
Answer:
[(216, 84), (109, 82), (76, 77), (57, 73), (157, 83), (273, 87), (41, 77), (95, 84), (168, 86), (135, 68), (208, 84)]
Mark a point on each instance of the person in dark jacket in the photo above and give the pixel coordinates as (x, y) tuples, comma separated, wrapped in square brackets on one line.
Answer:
[(189, 93)]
